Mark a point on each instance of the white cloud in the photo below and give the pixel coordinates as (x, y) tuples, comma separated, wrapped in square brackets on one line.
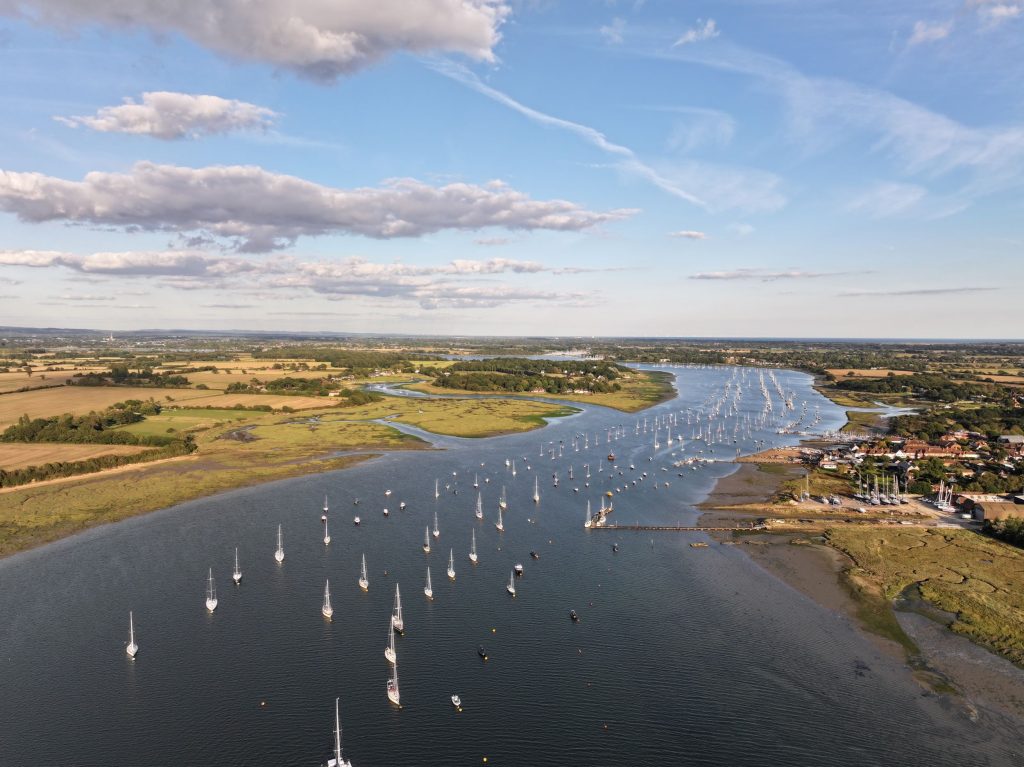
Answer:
[(995, 12), (916, 292), (888, 199), (765, 275), (461, 283), (317, 39), (700, 127), (725, 186), (612, 33), (264, 211), (824, 111), (166, 115), (930, 32), (703, 31), (689, 234)]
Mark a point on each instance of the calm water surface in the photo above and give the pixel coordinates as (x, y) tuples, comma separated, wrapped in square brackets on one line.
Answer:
[(683, 656)]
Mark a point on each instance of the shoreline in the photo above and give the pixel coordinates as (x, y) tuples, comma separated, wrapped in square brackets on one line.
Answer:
[(941, 661)]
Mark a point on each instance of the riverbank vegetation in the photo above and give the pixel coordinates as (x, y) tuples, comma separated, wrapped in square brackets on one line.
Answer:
[(978, 581)]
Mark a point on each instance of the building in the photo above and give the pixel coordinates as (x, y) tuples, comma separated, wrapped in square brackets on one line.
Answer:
[(993, 510)]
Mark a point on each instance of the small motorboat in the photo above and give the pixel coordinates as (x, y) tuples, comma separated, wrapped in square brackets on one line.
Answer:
[(574, 616), (386, 512), (518, 570), (615, 547), (456, 701), (534, 555), (401, 506), (481, 652), (356, 520)]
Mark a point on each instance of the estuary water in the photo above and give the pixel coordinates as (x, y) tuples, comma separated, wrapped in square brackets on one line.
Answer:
[(682, 656)]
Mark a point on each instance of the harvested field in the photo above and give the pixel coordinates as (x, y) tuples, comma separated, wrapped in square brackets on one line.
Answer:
[(79, 400), (21, 455)]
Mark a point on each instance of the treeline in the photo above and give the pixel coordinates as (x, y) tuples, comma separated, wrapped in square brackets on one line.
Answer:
[(58, 469), (121, 375), (95, 428), (1009, 530), (357, 361), (990, 420), (515, 374), (308, 387), (934, 387)]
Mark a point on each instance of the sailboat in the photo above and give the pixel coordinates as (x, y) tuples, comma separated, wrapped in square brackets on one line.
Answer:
[(236, 574), (513, 467), (437, 489), (511, 587), (472, 549), (211, 593), (132, 648), (337, 760), (437, 533), (389, 651), (451, 564), (502, 501), (327, 535), (479, 507), (323, 517), (536, 490), (476, 481), (428, 590), (426, 539), (499, 524), (396, 618), (279, 554), (327, 610), (393, 694), (364, 584)]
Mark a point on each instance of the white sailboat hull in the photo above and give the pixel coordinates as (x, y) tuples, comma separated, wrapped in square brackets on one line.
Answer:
[(211, 604)]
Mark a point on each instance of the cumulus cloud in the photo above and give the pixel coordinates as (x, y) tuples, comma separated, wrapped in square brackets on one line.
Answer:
[(765, 275), (264, 211), (930, 32), (169, 116), (706, 30), (316, 39), (689, 234)]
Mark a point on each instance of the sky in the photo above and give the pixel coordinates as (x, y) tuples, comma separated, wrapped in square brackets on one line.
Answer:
[(751, 168)]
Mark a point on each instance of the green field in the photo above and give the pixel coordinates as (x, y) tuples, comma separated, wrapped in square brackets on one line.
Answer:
[(641, 390), (184, 419), (461, 417)]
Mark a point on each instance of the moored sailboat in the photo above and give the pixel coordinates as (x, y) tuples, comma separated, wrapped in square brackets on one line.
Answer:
[(389, 651), (472, 548), (426, 539), (436, 531), (397, 622), (327, 610), (451, 564), (279, 552), (428, 589), (337, 760), (236, 574), (393, 693), (499, 524), (511, 587), (132, 648), (479, 506), (211, 593), (364, 583)]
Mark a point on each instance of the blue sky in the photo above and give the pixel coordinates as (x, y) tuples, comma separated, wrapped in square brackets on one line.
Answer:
[(738, 168)]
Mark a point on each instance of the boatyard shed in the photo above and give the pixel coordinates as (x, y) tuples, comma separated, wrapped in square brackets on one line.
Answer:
[(994, 510)]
